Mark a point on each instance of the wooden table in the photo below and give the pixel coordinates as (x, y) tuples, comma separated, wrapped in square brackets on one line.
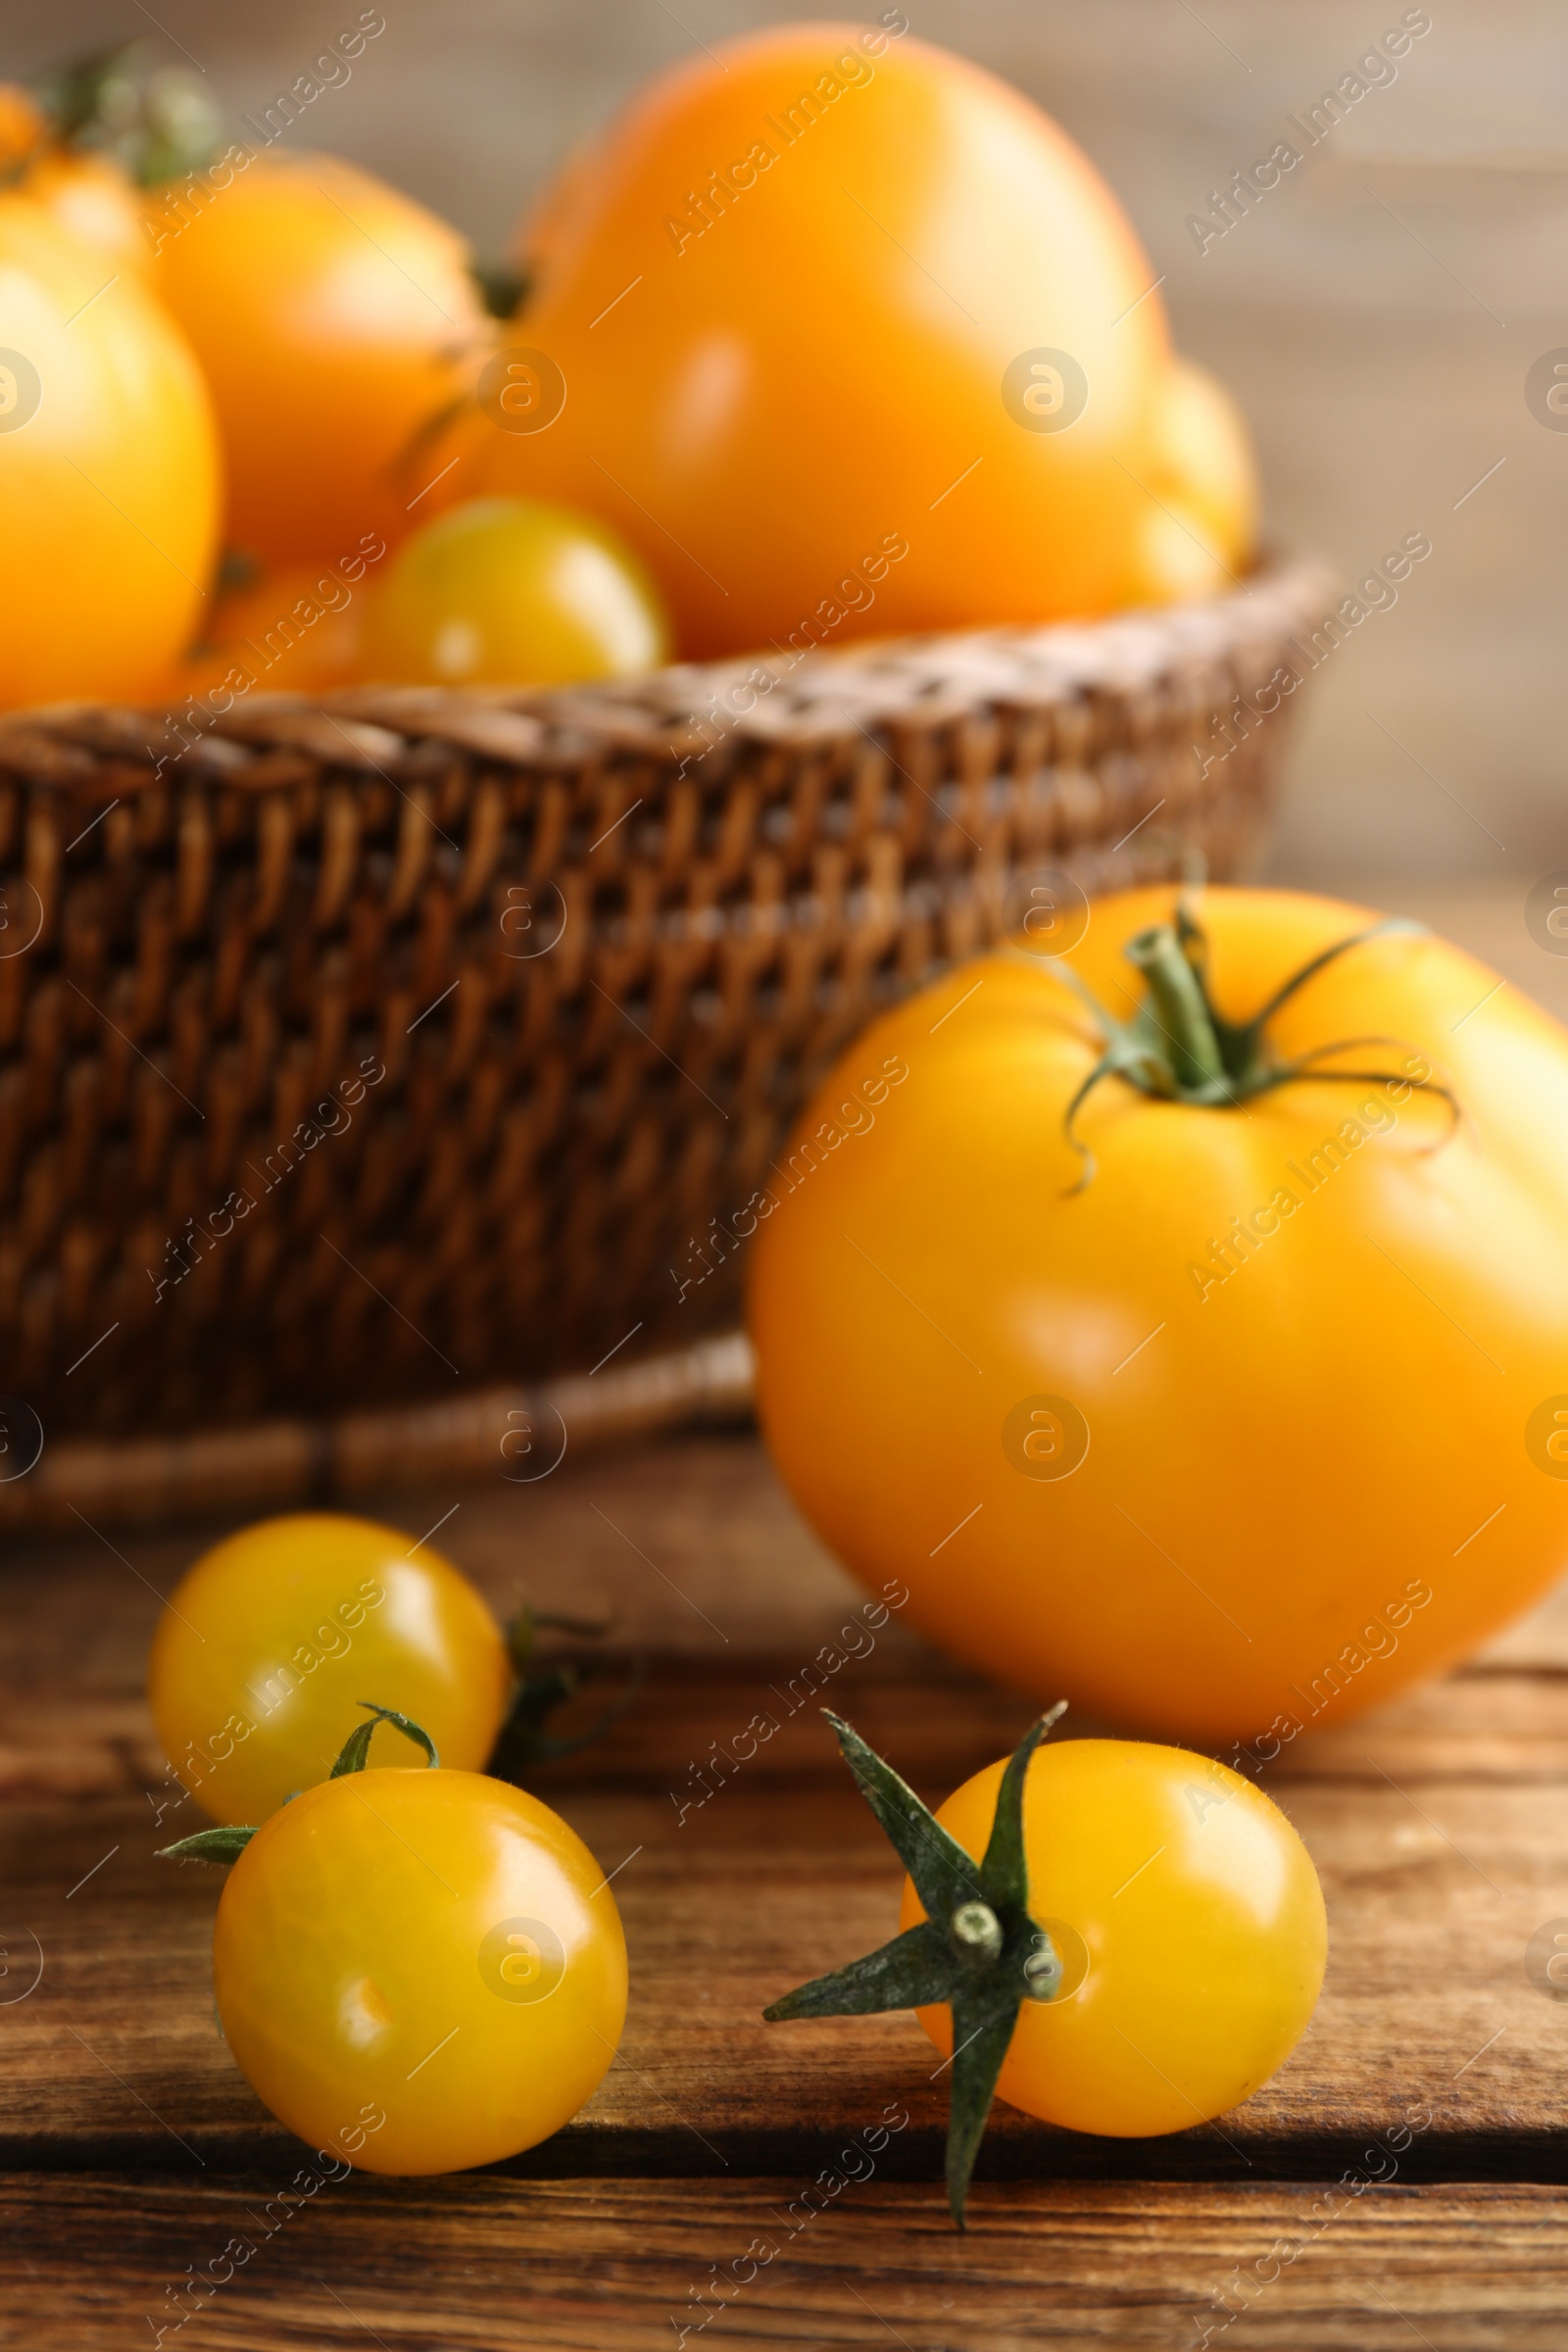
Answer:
[(133, 2150)]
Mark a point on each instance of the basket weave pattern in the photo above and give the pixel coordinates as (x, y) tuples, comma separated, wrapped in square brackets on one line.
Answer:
[(369, 1046)]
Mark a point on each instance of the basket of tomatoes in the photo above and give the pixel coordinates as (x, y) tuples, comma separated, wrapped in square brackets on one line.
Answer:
[(476, 745)]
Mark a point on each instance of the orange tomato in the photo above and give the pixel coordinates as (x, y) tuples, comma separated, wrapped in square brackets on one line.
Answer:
[(296, 630), (109, 469), (1252, 1424), (336, 320), (844, 336), (1199, 530), (22, 126)]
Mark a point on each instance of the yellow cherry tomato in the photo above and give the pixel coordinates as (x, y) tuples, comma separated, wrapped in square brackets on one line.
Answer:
[(335, 320), (266, 1646), (109, 469), (1198, 534), (1189, 1921), (846, 336), (421, 1970), (1249, 1424), (513, 590)]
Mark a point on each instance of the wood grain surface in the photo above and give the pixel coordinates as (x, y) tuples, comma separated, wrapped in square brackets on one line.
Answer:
[(1429, 2087)]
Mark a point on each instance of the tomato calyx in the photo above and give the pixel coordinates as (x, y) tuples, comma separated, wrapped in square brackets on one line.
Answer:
[(157, 121), (978, 1949), (227, 1842), (503, 289), (522, 1740), (1180, 1047)]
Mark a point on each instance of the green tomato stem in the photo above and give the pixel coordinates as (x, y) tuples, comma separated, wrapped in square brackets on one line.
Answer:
[(1181, 1008)]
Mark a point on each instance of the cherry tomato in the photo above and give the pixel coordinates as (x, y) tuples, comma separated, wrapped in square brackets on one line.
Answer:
[(511, 590), (420, 1969), (1198, 531), (109, 469), (844, 337), (335, 320), (1189, 1921), (266, 1646), (1248, 1424)]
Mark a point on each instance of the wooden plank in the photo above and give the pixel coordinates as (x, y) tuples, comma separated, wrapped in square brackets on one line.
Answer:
[(491, 2264)]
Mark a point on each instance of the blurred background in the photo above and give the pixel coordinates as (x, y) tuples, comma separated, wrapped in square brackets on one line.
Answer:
[(1377, 314)]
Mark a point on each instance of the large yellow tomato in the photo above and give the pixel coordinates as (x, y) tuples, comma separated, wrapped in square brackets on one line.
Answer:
[(1189, 1924), (109, 470), (336, 320), (844, 336), (1253, 1415)]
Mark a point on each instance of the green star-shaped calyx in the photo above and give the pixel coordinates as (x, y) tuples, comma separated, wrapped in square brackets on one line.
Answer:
[(978, 1949)]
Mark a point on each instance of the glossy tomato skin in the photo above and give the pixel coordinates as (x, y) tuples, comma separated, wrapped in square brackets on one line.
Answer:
[(267, 1647), (423, 1970), (505, 590), (335, 320), (1306, 1478), (1191, 1925), (108, 484), (797, 411)]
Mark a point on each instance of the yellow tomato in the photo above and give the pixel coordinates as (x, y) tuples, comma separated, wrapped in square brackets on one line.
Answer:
[(1189, 1924), (1198, 534), (511, 590), (336, 320), (844, 336), (419, 1970), (1247, 1426), (266, 1646), (109, 470)]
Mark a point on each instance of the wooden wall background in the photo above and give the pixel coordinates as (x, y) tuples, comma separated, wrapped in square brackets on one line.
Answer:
[(1377, 315)]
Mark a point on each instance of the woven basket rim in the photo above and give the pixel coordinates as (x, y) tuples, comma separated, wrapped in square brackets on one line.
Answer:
[(921, 679)]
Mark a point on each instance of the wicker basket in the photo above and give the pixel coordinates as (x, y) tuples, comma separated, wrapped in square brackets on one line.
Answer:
[(353, 1054)]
